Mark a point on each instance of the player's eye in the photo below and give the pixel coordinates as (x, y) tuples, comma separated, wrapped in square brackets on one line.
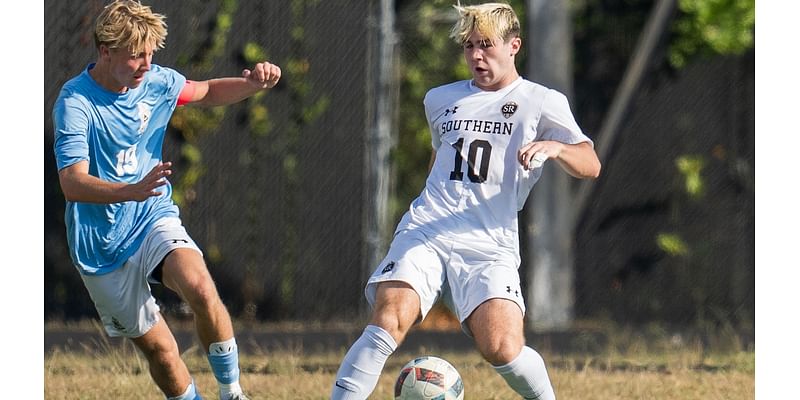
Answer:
[(140, 55)]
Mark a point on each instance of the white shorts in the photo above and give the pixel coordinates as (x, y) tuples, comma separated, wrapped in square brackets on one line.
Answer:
[(462, 275), (122, 297)]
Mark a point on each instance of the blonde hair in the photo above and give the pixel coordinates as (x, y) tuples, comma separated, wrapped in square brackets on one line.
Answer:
[(491, 20), (128, 24)]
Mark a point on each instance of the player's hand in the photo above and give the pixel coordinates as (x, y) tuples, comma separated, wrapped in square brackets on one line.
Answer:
[(146, 188), (534, 154), (264, 75)]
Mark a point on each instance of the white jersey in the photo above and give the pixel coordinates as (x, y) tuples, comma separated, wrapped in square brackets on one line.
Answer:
[(476, 185)]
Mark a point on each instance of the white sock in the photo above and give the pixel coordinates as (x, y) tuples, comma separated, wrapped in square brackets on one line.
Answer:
[(223, 347), (227, 389), (527, 375), (362, 365), (189, 394)]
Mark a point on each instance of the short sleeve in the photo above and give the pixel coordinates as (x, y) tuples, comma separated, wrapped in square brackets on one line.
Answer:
[(71, 124), (557, 122), (172, 82), (436, 140)]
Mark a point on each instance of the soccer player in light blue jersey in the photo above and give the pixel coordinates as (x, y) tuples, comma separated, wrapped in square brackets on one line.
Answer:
[(123, 230), (458, 242)]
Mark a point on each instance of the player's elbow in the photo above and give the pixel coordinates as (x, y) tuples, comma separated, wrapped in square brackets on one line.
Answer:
[(587, 171), (594, 170), (70, 193), (70, 185), (591, 167)]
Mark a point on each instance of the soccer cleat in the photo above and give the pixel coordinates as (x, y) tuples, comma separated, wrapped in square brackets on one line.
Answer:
[(236, 396)]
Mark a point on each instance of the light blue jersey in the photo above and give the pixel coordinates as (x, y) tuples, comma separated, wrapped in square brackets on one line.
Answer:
[(121, 136)]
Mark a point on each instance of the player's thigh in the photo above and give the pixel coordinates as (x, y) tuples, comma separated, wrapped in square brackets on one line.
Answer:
[(169, 254), (185, 272), (414, 261), (397, 306), (476, 278), (158, 342)]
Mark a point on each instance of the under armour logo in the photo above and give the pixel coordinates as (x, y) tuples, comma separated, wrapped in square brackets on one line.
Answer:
[(388, 267), (449, 111), (117, 324), (508, 290), (180, 240)]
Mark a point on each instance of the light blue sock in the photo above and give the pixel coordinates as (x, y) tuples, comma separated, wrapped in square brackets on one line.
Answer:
[(362, 365), (224, 360)]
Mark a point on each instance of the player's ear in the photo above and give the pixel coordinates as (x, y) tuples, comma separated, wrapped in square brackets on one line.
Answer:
[(103, 50), (516, 45)]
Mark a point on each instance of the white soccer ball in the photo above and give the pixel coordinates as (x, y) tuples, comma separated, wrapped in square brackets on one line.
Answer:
[(429, 378)]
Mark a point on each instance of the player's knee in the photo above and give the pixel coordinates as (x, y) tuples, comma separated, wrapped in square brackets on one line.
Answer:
[(500, 350), (202, 295), (393, 327), (392, 321), (165, 356)]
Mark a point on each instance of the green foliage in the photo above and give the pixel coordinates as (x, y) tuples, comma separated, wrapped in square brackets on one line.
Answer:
[(260, 124), (191, 122), (219, 37), (253, 53), (305, 106), (672, 244), (712, 27), (258, 114), (194, 157), (691, 168)]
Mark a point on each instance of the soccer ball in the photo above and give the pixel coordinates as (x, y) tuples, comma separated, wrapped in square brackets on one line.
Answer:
[(429, 378)]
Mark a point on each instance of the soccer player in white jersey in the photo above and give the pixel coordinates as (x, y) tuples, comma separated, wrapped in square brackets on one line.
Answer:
[(459, 239), (123, 230)]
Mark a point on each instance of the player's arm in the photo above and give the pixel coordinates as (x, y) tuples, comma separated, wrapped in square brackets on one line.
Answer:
[(79, 186), (579, 160), (433, 160), (223, 91)]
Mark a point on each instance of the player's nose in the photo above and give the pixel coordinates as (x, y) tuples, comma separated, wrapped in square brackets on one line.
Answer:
[(476, 54), (148, 60)]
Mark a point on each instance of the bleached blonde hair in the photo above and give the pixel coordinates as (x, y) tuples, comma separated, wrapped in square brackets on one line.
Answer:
[(130, 25), (491, 20)]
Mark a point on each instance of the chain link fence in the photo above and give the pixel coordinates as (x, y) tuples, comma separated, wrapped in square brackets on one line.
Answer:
[(270, 188)]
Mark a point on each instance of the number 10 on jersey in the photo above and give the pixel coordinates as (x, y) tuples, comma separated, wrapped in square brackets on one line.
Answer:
[(472, 156)]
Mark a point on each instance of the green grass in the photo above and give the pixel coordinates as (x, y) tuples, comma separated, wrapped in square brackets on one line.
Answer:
[(632, 365)]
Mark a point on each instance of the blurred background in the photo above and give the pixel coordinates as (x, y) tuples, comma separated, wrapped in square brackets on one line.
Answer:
[(293, 194)]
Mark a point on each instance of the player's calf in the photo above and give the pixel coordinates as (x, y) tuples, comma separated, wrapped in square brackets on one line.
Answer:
[(527, 375), (362, 365)]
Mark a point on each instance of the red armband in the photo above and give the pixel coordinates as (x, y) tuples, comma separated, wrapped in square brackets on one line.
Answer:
[(187, 93)]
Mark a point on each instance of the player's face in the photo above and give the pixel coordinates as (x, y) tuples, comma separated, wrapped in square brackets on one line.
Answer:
[(127, 69), (491, 61)]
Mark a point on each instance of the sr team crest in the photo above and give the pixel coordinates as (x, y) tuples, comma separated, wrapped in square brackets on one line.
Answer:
[(509, 109)]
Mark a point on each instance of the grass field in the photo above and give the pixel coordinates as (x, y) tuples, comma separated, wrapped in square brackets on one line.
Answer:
[(629, 367)]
